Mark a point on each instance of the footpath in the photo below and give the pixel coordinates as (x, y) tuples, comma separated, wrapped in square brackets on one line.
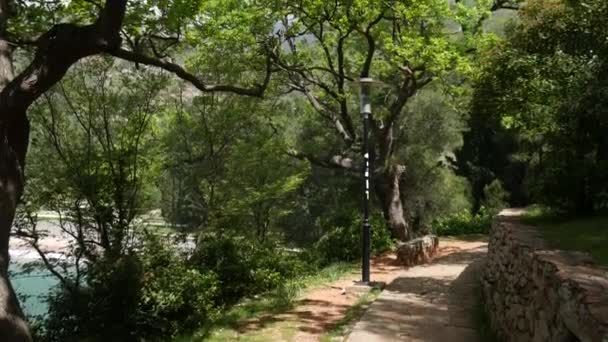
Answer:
[(437, 302), (433, 302)]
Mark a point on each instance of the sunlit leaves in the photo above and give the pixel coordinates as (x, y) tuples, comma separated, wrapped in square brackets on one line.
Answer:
[(550, 55), (95, 126)]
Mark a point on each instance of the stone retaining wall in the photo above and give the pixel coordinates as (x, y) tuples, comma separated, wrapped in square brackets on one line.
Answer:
[(536, 294)]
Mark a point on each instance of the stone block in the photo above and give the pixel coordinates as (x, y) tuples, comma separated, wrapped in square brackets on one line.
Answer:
[(417, 251)]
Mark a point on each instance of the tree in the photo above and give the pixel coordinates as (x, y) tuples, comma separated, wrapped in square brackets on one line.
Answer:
[(488, 149), (96, 126), (150, 31), (224, 169), (407, 45), (544, 89), (198, 141)]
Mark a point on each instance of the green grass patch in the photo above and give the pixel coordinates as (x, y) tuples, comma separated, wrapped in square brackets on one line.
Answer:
[(283, 298), (352, 315), (274, 302), (587, 234), (539, 215)]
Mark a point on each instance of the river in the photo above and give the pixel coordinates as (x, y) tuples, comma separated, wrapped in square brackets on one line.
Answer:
[(36, 284)]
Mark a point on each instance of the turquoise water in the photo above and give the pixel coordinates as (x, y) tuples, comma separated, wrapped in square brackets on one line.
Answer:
[(34, 286)]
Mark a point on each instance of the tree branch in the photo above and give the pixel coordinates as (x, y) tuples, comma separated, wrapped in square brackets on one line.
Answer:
[(333, 162), (179, 71), (504, 4), (371, 46), (411, 84), (344, 113), (57, 50), (327, 113)]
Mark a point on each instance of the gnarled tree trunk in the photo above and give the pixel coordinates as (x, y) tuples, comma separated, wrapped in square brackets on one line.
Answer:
[(57, 50), (12, 324), (389, 194), (14, 136)]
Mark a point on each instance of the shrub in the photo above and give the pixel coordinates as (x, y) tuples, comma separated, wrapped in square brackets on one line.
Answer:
[(149, 296), (495, 197), (175, 298), (96, 311), (464, 222), (245, 267), (343, 243)]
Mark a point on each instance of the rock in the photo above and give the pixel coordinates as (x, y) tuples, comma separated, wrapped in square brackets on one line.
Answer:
[(523, 281), (417, 251), (521, 324), (541, 331)]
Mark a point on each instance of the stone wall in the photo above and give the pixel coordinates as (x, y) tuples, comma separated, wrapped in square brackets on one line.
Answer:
[(536, 294)]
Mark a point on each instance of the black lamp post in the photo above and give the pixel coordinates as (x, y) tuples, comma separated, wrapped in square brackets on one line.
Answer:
[(366, 110)]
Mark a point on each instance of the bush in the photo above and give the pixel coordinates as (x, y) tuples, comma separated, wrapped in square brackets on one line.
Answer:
[(343, 243), (495, 197), (175, 298), (246, 267), (464, 222), (149, 296)]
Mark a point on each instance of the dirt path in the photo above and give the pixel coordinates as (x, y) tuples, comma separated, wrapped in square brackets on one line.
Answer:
[(323, 308), (319, 311), (431, 303)]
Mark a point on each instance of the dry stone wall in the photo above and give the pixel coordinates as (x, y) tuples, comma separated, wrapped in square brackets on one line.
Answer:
[(536, 294)]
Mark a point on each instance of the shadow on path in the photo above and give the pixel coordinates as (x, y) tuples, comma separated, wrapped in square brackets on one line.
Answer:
[(434, 302), (320, 311)]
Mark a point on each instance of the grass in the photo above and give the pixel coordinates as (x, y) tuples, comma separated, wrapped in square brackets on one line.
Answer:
[(352, 315), (225, 328), (588, 234), (538, 215)]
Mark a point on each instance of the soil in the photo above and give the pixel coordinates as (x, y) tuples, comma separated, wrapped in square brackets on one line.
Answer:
[(323, 308)]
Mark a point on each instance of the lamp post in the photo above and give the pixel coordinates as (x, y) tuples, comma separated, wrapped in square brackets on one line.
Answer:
[(366, 110)]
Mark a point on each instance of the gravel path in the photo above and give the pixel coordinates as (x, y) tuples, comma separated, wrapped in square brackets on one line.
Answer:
[(432, 303)]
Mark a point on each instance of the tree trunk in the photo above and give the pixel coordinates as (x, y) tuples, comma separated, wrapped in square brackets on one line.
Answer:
[(389, 193), (57, 49), (386, 182), (13, 327)]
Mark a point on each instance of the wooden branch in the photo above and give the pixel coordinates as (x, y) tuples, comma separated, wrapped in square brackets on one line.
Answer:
[(405, 91), (344, 113), (110, 22), (57, 50), (371, 46), (504, 4), (328, 59), (179, 71), (32, 238), (411, 84), (325, 112), (6, 50), (303, 76), (333, 162), (300, 73)]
